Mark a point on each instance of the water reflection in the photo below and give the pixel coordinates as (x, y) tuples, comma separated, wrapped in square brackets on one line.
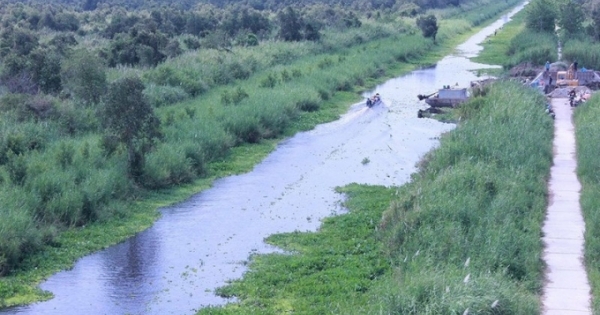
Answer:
[(174, 267)]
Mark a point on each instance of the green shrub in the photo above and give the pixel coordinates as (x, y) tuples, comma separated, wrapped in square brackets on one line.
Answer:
[(167, 166), (75, 119), (233, 97), (19, 232), (244, 126), (308, 105), (269, 81), (163, 95), (183, 78)]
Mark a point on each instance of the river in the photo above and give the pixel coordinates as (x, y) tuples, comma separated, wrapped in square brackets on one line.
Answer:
[(197, 245)]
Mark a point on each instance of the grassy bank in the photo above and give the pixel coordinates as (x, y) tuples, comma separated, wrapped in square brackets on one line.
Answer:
[(587, 132), (514, 44), (224, 132), (463, 236)]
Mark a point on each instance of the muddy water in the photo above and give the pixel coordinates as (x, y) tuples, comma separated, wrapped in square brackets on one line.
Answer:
[(173, 267)]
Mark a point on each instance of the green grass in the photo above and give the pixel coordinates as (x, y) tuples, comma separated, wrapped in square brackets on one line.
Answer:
[(466, 231), (586, 52), (496, 47), (587, 132), (515, 44)]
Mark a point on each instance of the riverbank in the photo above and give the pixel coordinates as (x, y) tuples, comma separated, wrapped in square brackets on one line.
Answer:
[(463, 235), (75, 243)]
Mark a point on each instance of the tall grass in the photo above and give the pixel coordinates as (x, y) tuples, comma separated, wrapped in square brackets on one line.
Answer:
[(531, 46), (586, 52), (466, 231), (587, 131)]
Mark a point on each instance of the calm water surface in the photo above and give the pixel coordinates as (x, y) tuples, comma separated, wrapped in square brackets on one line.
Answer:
[(197, 245)]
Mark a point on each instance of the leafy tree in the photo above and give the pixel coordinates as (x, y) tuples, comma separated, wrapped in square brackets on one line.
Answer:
[(83, 74), (571, 17), (130, 119), (541, 15), (428, 25), (90, 5), (44, 64), (290, 25), (311, 33), (596, 23)]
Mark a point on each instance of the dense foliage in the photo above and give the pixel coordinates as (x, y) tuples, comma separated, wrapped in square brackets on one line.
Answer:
[(100, 106)]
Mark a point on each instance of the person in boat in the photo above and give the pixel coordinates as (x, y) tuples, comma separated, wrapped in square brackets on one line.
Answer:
[(372, 100), (376, 98)]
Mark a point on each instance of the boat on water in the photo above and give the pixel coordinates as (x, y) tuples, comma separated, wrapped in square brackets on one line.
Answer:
[(446, 97)]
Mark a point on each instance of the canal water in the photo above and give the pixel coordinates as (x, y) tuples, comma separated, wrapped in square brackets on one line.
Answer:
[(199, 244)]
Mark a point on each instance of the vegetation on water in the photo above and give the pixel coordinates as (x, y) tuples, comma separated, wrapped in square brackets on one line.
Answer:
[(587, 131), (73, 168), (462, 237)]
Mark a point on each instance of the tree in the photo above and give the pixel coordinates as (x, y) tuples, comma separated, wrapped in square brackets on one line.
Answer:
[(84, 75), (541, 16), (596, 23), (571, 17), (289, 25), (130, 119), (428, 25)]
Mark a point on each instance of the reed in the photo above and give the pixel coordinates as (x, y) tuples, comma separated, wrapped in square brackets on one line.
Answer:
[(531, 46), (586, 52), (587, 134)]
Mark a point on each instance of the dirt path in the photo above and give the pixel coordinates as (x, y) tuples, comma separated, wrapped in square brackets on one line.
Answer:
[(566, 290)]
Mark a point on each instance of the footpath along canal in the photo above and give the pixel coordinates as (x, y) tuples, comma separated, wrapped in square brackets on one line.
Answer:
[(197, 245)]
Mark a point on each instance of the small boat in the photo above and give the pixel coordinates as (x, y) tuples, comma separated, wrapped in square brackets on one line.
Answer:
[(446, 97), (375, 100)]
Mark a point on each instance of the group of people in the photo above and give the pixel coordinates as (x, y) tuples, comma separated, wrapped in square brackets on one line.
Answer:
[(373, 100)]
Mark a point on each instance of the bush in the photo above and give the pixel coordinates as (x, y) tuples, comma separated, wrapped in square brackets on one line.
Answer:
[(19, 233), (244, 126), (233, 97), (308, 105), (163, 95), (167, 166), (269, 82), (167, 75)]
